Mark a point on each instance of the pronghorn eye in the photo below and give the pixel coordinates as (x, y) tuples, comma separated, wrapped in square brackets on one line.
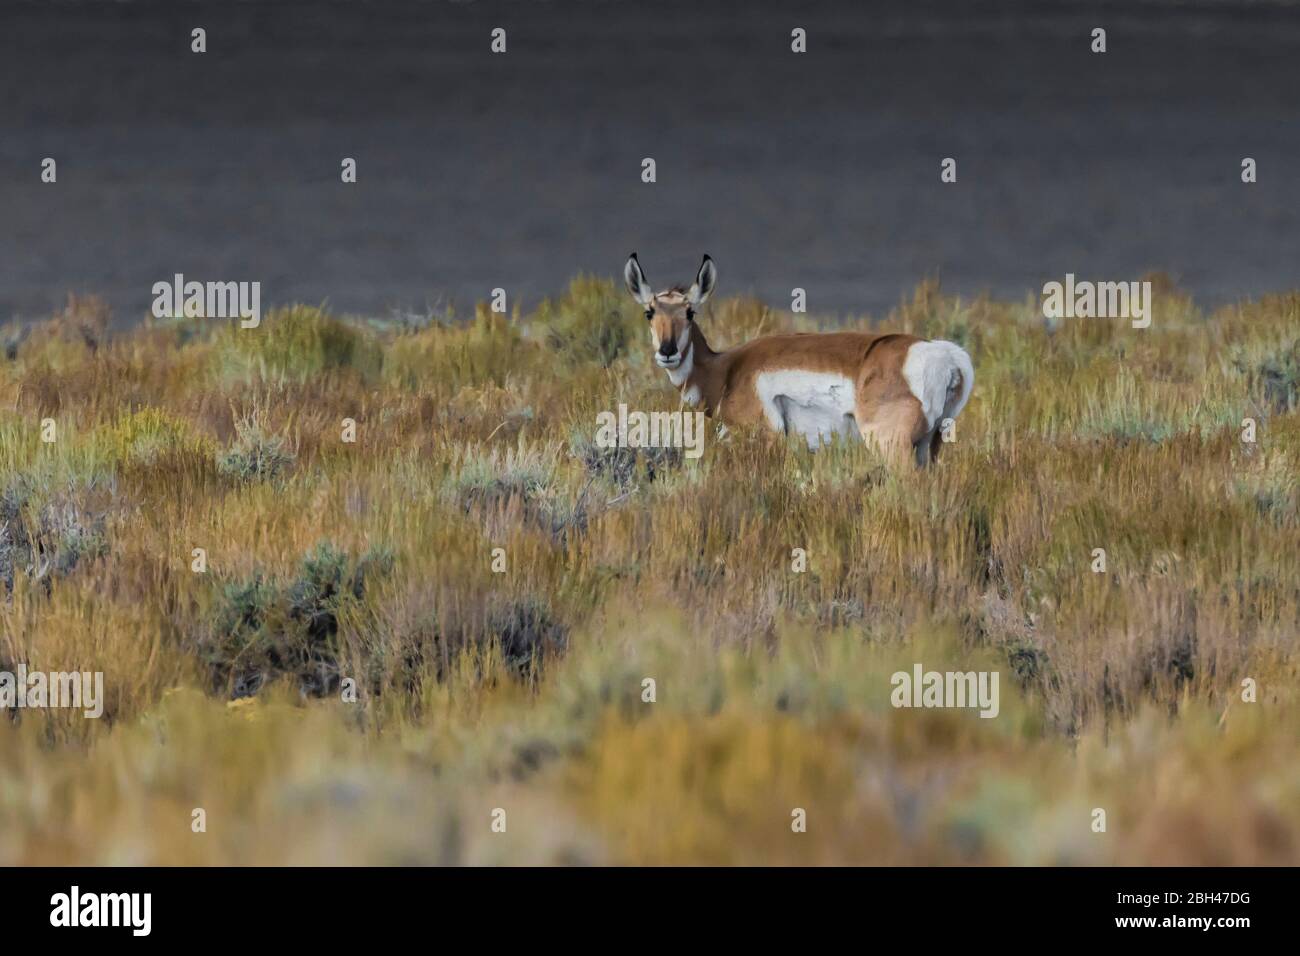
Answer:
[(649, 313), (690, 315)]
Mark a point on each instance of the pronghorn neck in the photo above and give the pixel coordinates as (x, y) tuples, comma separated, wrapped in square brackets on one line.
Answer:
[(693, 377)]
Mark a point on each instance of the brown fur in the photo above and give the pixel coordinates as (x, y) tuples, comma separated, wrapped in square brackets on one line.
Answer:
[(887, 413)]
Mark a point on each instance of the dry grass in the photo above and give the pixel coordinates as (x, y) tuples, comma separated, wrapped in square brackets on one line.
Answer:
[(522, 690)]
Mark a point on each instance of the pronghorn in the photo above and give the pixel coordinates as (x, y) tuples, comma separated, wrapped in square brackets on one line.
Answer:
[(892, 390)]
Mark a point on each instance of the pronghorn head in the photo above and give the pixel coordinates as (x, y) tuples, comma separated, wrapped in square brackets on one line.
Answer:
[(670, 313)]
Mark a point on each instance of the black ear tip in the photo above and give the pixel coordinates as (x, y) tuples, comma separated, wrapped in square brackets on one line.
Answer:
[(707, 257), (632, 256)]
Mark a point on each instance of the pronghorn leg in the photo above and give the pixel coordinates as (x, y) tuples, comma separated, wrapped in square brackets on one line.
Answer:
[(936, 443), (892, 443), (896, 430), (922, 451)]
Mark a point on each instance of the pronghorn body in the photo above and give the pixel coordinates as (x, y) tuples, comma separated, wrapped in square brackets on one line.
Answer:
[(891, 390)]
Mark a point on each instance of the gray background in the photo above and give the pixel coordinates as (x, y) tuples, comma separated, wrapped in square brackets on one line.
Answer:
[(523, 170)]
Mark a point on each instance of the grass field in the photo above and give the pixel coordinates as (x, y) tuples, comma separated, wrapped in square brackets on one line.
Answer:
[(522, 690)]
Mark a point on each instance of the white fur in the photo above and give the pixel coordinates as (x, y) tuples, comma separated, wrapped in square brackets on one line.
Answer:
[(692, 395), (816, 405), (932, 371), (680, 372)]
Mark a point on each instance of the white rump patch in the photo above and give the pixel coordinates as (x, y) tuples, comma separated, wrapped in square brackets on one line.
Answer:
[(941, 377), (816, 405)]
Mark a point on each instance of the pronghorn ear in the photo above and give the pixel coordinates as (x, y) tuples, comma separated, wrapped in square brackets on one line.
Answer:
[(704, 283), (636, 281)]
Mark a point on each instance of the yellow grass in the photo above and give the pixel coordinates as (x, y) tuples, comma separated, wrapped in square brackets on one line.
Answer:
[(524, 690)]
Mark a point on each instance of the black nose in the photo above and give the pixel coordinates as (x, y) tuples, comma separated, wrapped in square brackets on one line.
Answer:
[(668, 348)]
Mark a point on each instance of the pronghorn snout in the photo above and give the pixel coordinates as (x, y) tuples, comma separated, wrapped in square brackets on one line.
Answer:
[(668, 356)]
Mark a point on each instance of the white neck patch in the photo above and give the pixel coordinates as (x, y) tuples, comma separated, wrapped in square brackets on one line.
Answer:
[(682, 372)]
